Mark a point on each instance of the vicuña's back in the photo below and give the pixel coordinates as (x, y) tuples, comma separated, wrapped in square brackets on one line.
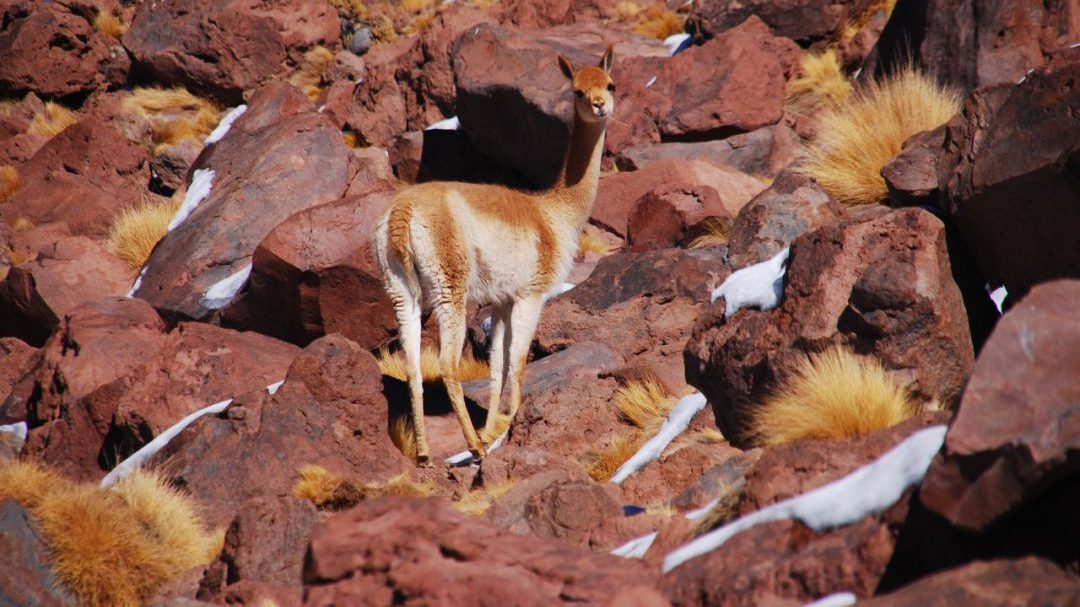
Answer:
[(447, 243)]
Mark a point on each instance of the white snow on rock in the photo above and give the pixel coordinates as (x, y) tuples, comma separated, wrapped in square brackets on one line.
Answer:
[(836, 599), (676, 42), (138, 283), (465, 458), (18, 430), (221, 292), (447, 124), (677, 421), (700, 513), (651, 82), (150, 449), (635, 548), (201, 180), (865, 492), (225, 124), (998, 296), (274, 387), (760, 285)]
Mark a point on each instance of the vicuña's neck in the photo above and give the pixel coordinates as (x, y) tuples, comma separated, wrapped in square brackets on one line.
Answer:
[(578, 180)]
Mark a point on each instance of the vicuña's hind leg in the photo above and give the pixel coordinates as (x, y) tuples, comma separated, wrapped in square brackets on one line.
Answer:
[(407, 310), (451, 340), (523, 319), (500, 348)]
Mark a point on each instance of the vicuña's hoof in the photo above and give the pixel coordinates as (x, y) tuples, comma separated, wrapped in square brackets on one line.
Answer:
[(424, 461)]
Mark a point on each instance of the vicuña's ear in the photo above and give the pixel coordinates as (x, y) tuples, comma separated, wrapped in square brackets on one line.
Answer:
[(566, 67), (608, 59)]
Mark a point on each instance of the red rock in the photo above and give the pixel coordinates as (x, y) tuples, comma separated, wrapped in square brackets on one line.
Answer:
[(513, 463), (723, 481), (806, 21), (619, 194), (280, 157), (170, 166), (879, 283), (640, 305), (912, 175), (762, 152), (56, 53), (27, 577), (663, 216), (330, 412), (1003, 583), (530, 14), (1015, 210), (15, 358), (571, 510), (424, 552), (226, 48), (791, 206), (510, 90), (247, 592), (83, 176), (315, 274), (37, 294), (1015, 435), (733, 83), (662, 481)]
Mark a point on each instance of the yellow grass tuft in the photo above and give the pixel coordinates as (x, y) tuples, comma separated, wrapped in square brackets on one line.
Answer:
[(174, 114), (9, 181), (109, 24), (401, 485), (710, 232), (350, 138), (476, 502), (415, 6), (725, 511), (382, 29), (820, 83), (858, 138), (403, 435), (136, 230), (833, 394), (22, 224), (352, 8), (626, 10), (602, 463), (52, 121), (112, 546), (643, 404), (502, 424), (393, 365), (657, 21), (588, 243), (335, 492), (309, 77)]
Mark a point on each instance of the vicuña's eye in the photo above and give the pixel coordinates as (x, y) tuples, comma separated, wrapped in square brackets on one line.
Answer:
[(579, 94), (611, 87)]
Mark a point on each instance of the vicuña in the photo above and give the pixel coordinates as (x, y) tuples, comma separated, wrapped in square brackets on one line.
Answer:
[(451, 242)]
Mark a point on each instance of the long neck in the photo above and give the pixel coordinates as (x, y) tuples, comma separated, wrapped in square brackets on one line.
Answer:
[(578, 180)]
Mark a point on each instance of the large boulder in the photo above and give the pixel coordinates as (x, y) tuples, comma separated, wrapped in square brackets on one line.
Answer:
[(225, 48), (56, 52), (280, 157), (315, 274), (879, 283), (1016, 436), (805, 21), (640, 305), (761, 152), (1015, 210), (15, 358), (417, 550)]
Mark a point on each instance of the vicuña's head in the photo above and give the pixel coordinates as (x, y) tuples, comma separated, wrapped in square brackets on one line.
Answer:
[(594, 92)]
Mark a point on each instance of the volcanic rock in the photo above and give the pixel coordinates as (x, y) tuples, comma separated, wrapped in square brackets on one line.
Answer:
[(26, 577)]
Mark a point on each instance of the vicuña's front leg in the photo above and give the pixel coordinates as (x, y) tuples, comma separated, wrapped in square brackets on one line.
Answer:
[(451, 340), (523, 318), (499, 352)]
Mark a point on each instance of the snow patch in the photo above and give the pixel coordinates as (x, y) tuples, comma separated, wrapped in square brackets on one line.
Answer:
[(274, 387), (140, 457), (676, 42), (865, 492), (221, 292), (138, 283), (836, 599), (449, 124), (18, 430), (636, 548), (199, 189), (225, 124), (651, 82), (998, 296), (700, 513), (465, 458), (760, 285), (677, 421)]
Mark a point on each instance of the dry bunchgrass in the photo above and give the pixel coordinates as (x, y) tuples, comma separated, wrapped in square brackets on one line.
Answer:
[(136, 230), (476, 502), (350, 138), (644, 405), (856, 139), (709, 232), (830, 395), (110, 24), (351, 8), (9, 181), (588, 243), (601, 464), (174, 114), (331, 491), (393, 365), (52, 120), (403, 435), (22, 224), (725, 511), (309, 76), (819, 83), (657, 21), (704, 436), (114, 546)]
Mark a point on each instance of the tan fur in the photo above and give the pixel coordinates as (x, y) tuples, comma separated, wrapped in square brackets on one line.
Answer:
[(444, 243)]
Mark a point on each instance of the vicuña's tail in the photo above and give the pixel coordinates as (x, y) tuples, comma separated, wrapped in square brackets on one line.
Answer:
[(398, 236)]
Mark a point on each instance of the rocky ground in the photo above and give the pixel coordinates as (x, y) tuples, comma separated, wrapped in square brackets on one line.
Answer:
[(271, 277)]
